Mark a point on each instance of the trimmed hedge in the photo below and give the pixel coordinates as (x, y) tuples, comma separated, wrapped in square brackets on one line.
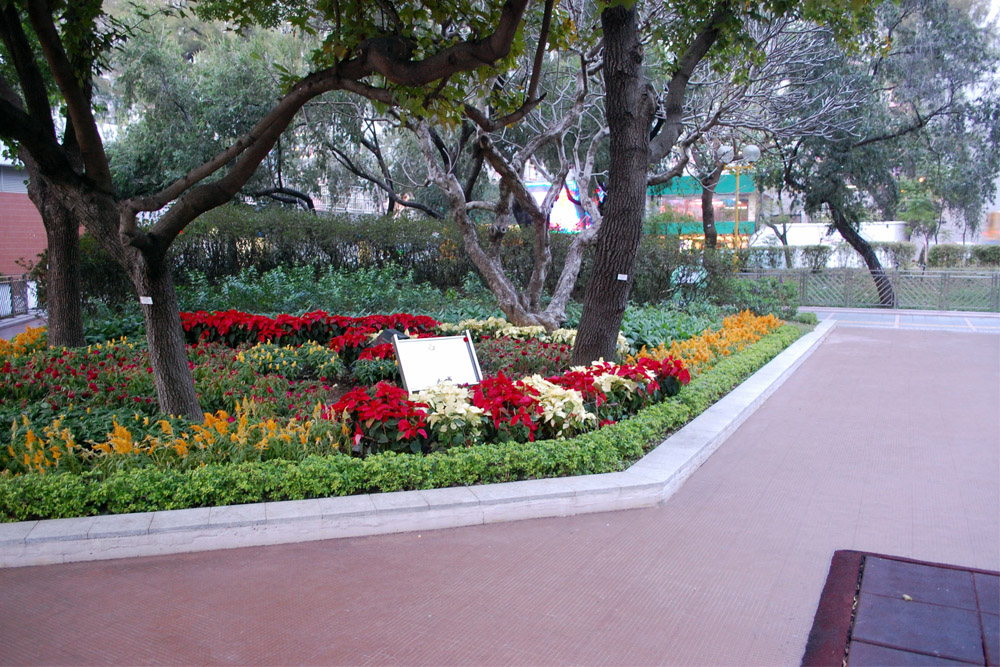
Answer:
[(896, 254), (230, 239), (609, 449), (952, 255)]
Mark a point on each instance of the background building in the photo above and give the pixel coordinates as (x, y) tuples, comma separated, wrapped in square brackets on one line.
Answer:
[(22, 235)]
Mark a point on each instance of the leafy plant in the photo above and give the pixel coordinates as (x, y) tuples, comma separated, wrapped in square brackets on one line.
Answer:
[(765, 296), (657, 325), (946, 255), (516, 357)]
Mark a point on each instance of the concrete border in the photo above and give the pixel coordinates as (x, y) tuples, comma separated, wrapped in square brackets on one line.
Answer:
[(647, 483)]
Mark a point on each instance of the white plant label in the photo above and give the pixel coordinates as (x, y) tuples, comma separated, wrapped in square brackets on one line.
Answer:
[(622, 277), (146, 300)]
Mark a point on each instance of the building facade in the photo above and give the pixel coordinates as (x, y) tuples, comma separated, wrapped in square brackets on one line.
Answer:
[(22, 235)]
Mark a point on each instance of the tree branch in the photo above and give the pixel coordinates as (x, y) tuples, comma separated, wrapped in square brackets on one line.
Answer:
[(388, 57), (674, 105), (78, 102), (28, 72)]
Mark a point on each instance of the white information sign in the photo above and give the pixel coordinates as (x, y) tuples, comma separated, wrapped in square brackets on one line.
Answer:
[(423, 362)]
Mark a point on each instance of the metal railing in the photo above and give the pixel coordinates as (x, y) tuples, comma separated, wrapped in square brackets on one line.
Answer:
[(923, 290), (13, 296)]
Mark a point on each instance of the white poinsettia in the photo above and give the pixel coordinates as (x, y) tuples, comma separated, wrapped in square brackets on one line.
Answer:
[(562, 408), (609, 382), (449, 408)]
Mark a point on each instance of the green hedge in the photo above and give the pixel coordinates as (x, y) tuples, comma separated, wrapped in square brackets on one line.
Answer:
[(609, 449), (951, 255), (231, 239), (897, 254)]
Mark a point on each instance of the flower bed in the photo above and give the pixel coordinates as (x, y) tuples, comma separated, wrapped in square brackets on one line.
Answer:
[(152, 488), (90, 412)]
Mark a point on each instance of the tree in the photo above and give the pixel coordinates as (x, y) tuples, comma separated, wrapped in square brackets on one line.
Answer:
[(187, 90), (919, 83), (784, 94), (387, 52), (690, 33)]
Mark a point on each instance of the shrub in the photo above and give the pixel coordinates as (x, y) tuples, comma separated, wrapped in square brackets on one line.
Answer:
[(986, 255), (763, 296), (946, 255), (102, 280), (816, 257), (656, 325), (897, 254), (767, 257)]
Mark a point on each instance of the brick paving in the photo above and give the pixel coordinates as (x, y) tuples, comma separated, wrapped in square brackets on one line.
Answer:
[(885, 441)]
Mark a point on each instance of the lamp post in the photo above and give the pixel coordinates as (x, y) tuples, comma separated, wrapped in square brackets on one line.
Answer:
[(749, 155)]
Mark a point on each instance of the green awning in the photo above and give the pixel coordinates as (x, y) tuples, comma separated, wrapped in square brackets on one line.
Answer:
[(686, 186), (684, 228)]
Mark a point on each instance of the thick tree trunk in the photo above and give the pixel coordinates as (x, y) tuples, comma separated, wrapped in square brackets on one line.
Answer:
[(708, 207), (164, 337), (65, 319), (886, 296), (629, 111), (62, 234)]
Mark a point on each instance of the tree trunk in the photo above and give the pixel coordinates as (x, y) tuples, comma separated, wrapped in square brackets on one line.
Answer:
[(708, 209), (629, 112), (62, 234), (886, 296), (164, 336), (65, 319)]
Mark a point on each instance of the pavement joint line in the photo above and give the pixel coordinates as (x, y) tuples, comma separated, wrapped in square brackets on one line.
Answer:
[(649, 482)]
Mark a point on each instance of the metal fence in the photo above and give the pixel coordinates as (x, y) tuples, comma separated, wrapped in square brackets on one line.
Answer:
[(14, 297), (925, 290)]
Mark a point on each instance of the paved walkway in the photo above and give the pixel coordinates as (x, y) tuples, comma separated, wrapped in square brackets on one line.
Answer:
[(11, 326), (927, 320), (884, 441)]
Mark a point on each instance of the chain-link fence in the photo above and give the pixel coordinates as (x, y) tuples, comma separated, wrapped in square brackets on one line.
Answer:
[(926, 290), (14, 296)]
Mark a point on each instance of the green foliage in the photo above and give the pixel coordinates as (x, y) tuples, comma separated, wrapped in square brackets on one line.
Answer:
[(183, 100), (373, 371), (612, 448), (897, 254), (102, 322), (400, 29), (935, 57), (654, 325), (806, 317), (816, 256), (299, 289), (986, 255), (764, 296), (946, 255), (518, 358), (102, 281)]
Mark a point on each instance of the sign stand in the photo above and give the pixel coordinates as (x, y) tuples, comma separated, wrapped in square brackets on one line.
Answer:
[(424, 362)]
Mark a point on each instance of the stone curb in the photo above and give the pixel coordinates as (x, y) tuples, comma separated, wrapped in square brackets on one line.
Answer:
[(647, 483)]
